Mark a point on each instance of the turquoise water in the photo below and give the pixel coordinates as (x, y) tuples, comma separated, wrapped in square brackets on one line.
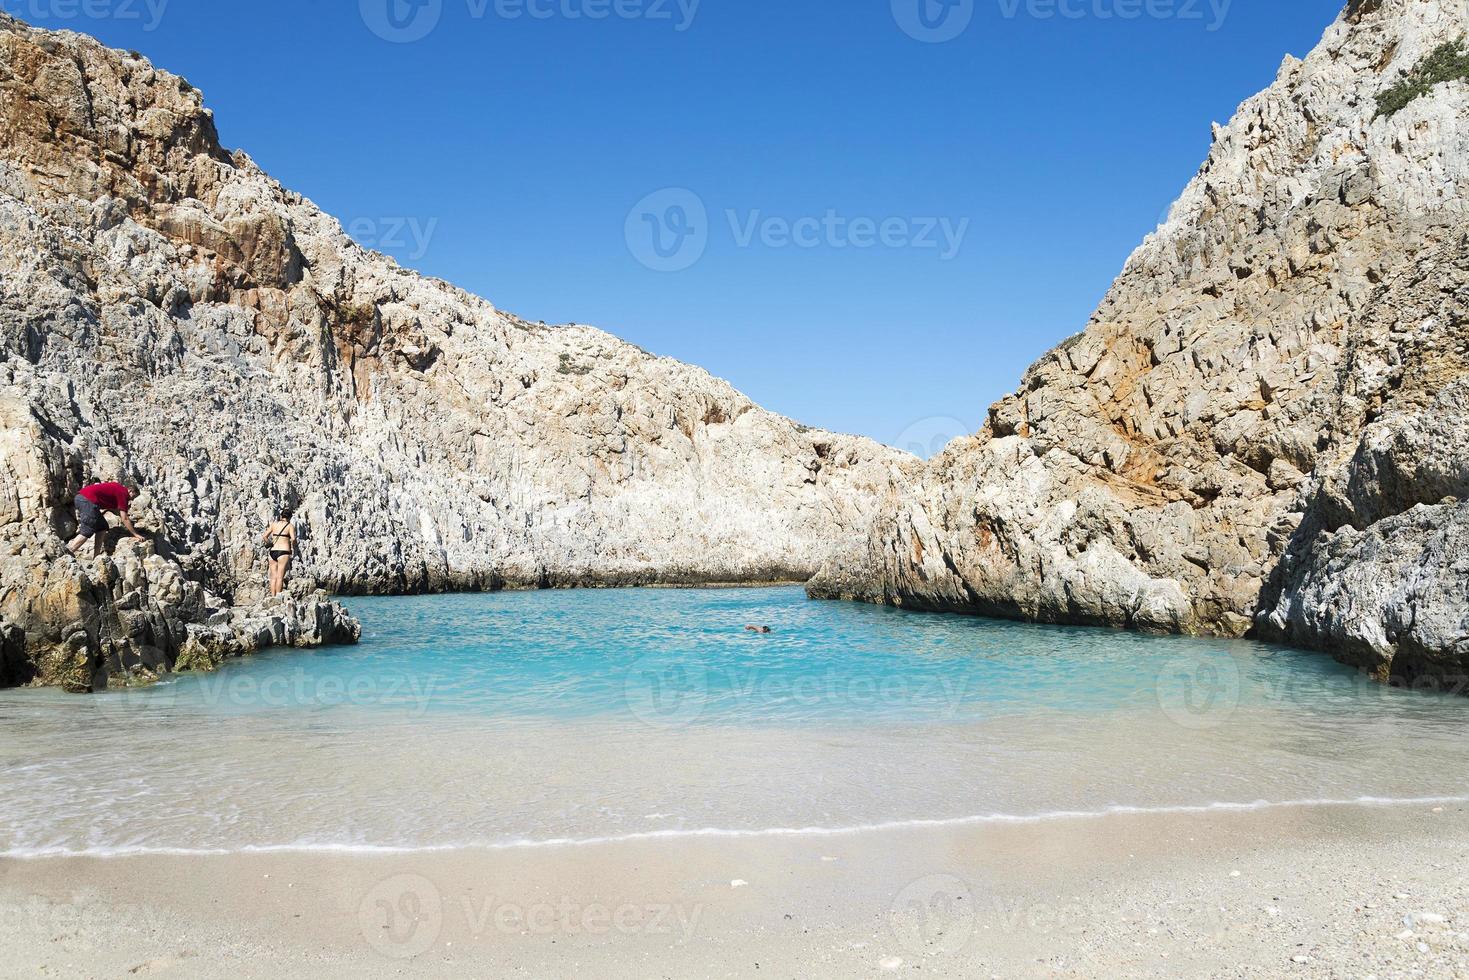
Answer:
[(520, 718)]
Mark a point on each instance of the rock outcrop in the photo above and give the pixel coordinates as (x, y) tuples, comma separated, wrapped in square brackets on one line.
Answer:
[(172, 316), (287, 620), (131, 617), (1377, 572), (1262, 428)]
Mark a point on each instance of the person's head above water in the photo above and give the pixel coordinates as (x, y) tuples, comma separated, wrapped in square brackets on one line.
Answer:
[(758, 629)]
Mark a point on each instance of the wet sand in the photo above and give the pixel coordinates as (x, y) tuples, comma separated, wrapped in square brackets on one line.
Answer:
[(1328, 891)]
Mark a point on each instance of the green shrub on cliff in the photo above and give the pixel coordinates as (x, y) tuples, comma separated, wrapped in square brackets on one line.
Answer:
[(360, 314), (569, 365), (1448, 62)]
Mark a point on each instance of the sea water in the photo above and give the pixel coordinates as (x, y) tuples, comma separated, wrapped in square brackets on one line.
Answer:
[(551, 718)]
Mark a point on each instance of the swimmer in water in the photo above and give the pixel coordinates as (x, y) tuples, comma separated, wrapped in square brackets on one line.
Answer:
[(757, 629)]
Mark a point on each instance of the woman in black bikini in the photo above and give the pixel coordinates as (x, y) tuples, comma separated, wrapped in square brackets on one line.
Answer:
[(281, 537)]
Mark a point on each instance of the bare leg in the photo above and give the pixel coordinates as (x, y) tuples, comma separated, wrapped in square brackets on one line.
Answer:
[(75, 544), (282, 567), (270, 585)]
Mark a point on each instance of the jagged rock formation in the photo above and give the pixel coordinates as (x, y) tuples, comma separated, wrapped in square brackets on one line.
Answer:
[(1263, 427), (171, 315), (284, 621), (127, 617), (1378, 571), (131, 617)]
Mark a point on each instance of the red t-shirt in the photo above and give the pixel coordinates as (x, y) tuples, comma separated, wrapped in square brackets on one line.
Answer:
[(108, 496)]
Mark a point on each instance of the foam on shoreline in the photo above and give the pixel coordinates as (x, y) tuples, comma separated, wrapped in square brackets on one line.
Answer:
[(367, 850)]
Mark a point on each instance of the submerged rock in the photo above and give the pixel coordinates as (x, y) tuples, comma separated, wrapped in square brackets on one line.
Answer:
[(172, 316), (1244, 437)]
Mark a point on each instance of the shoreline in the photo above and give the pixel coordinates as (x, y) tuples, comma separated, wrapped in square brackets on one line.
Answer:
[(952, 824), (1304, 891), (589, 585)]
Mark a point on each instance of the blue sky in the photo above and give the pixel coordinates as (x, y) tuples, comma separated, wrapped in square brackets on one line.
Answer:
[(867, 219)]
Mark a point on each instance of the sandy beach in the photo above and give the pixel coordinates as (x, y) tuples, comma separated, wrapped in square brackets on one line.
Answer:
[(1315, 891)]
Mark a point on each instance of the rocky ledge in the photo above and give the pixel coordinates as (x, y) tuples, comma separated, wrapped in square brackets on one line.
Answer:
[(131, 616), (1263, 429)]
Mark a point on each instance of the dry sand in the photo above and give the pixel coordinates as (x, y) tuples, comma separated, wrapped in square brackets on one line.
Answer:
[(1304, 891)]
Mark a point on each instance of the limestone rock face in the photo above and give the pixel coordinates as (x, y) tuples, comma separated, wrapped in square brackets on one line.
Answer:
[(171, 316), (1378, 571), (1389, 599), (1270, 389)]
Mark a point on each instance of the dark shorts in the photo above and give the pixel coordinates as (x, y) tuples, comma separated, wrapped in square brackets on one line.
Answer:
[(89, 518)]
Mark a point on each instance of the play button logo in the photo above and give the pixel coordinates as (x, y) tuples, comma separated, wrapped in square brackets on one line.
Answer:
[(401, 21)]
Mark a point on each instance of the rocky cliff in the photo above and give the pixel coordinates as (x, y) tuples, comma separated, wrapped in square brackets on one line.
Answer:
[(171, 316), (1263, 428)]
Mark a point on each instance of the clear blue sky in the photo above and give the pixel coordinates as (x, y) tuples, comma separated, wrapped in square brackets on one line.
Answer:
[(508, 151)]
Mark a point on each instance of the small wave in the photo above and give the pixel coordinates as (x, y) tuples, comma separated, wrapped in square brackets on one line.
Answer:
[(44, 853)]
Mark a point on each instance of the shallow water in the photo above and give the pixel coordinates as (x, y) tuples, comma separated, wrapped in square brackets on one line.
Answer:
[(520, 718)]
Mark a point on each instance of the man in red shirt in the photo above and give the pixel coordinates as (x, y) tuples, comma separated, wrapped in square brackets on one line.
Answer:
[(91, 503)]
